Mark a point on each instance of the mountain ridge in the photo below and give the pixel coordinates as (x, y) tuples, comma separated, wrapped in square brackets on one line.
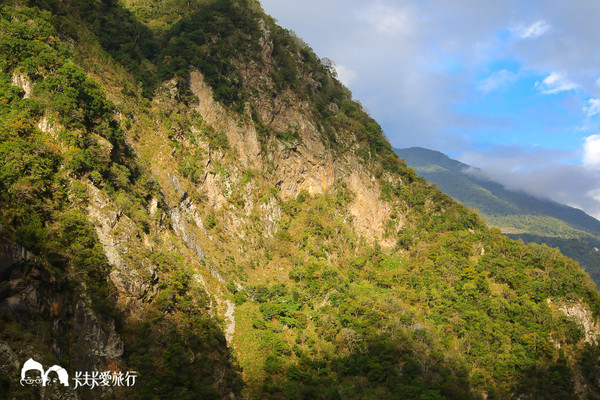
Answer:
[(516, 213), (573, 215)]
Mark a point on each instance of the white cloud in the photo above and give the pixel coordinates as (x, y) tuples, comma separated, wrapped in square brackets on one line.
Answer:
[(388, 19), (591, 151), (595, 194), (555, 83), (534, 30), (496, 80), (344, 74), (592, 108), (543, 173)]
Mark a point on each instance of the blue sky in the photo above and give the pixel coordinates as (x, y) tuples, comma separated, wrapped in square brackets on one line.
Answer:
[(511, 87)]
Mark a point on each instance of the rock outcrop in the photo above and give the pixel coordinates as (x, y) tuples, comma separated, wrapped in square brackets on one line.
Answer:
[(581, 315)]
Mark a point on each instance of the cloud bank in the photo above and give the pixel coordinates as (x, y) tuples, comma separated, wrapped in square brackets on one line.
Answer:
[(545, 173)]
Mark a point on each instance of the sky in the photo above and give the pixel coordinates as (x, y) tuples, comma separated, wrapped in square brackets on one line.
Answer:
[(510, 87)]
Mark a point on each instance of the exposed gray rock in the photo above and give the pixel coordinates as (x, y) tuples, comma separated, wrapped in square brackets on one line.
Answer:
[(99, 338), (582, 315), (24, 83), (184, 232), (11, 253), (9, 362), (176, 185), (229, 321), (270, 216)]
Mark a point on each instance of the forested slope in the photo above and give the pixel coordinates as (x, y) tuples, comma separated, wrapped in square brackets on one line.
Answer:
[(187, 191), (517, 214)]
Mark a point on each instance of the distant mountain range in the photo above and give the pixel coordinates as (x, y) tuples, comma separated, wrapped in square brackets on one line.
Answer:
[(517, 214)]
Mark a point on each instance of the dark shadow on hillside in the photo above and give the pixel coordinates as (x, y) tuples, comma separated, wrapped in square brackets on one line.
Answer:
[(385, 369), (393, 370), (127, 40), (208, 38), (44, 315)]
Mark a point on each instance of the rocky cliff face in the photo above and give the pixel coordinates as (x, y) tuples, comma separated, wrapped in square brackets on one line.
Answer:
[(305, 163)]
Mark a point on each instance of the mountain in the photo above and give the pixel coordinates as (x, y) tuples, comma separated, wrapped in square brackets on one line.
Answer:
[(518, 214), (193, 207)]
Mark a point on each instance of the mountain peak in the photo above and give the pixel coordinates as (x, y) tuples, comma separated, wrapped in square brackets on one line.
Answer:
[(420, 156)]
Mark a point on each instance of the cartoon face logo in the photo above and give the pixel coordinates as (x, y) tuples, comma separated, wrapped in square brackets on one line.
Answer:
[(60, 374)]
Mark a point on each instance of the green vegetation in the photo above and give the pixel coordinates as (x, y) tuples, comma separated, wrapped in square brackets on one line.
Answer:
[(354, 317), (293, 61), (488, 197), (583, 250), (45, 180), (517, 214), (216, 37), (437, 307)]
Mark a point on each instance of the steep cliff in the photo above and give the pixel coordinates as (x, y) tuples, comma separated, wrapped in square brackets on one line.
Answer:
[(189, 193)]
